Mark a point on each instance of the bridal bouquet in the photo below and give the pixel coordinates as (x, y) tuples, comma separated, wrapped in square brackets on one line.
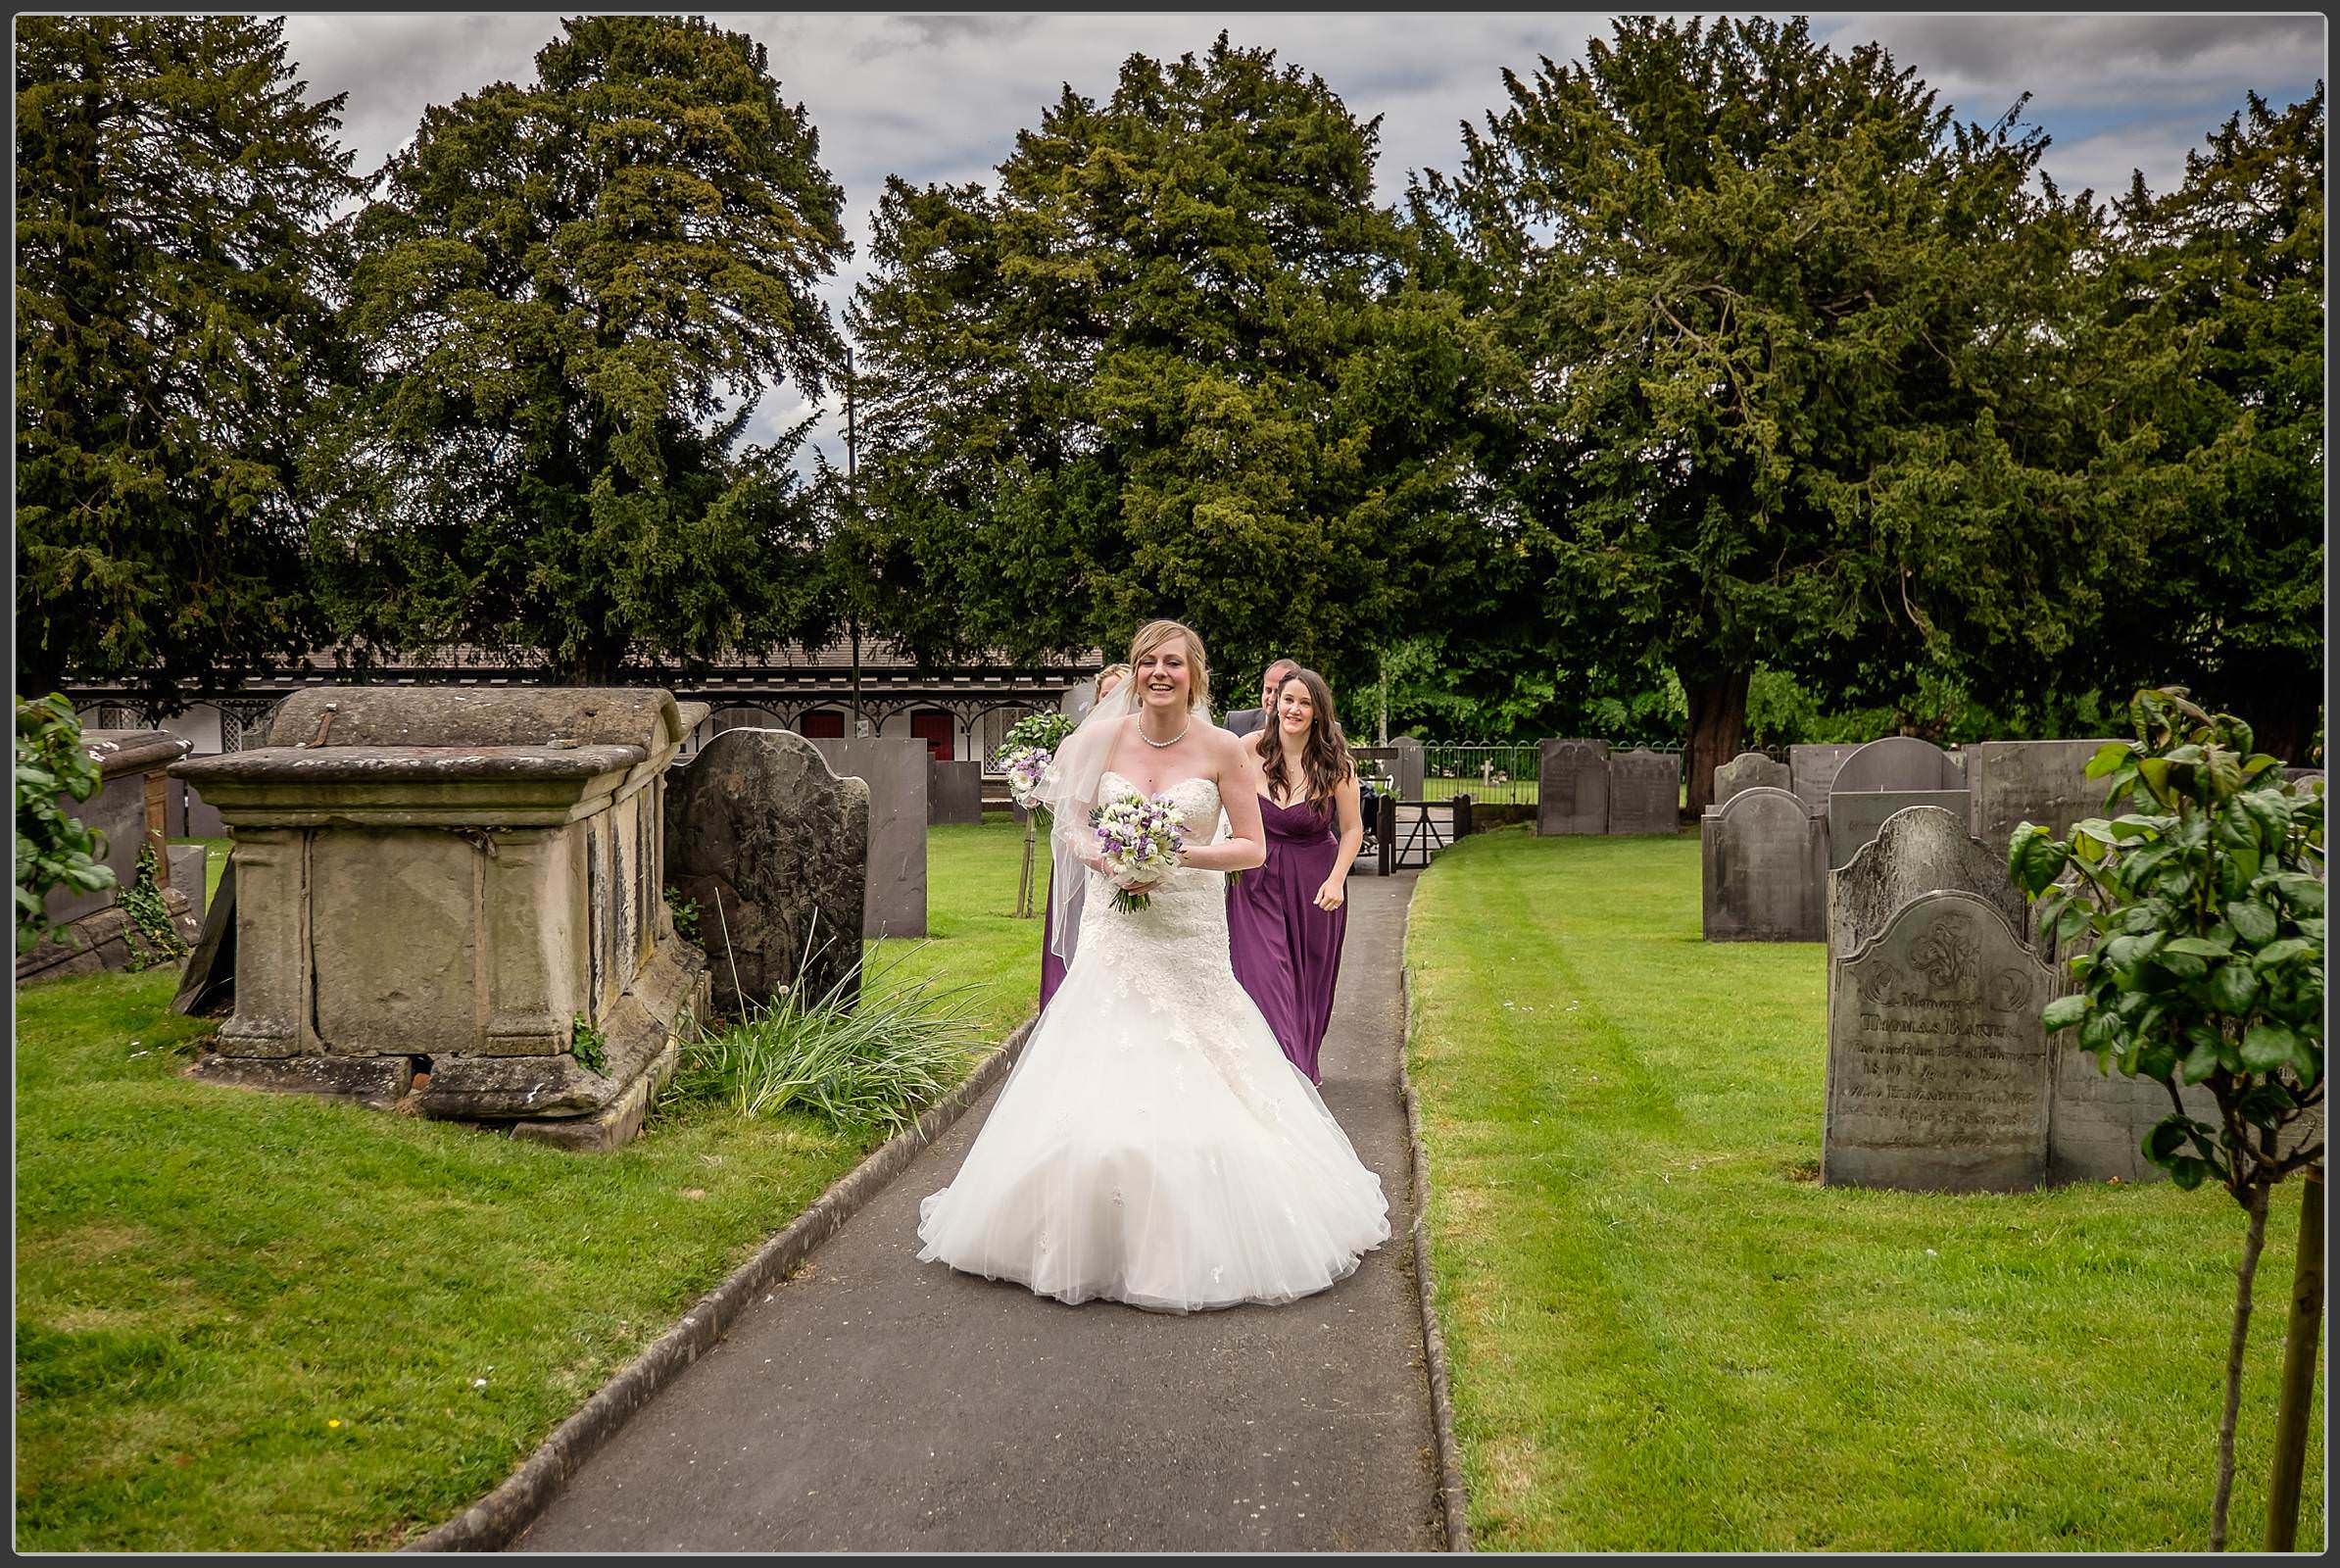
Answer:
[(1029, 752), (1139, 840)]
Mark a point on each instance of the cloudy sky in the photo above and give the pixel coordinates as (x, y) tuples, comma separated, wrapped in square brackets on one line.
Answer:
[(940, 97)]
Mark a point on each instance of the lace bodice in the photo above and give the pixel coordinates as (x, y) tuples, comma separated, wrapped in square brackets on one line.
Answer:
[(1198, 807)]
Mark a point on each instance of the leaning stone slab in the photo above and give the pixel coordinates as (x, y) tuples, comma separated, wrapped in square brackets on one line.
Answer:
[(955, 793), (1812, 771), (895, 770), (375, 1082), (1646, 792), (1761, 869), (1937, 1068), (2014, 782), (1749, 770), (1572, 792), (774, 849)]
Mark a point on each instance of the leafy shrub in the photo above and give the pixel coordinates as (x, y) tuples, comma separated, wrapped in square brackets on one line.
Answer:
[(2198, 916), (156, 938), (873, 1064), (53, 849)]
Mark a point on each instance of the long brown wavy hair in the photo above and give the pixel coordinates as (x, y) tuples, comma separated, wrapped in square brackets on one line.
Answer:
[(1325, 762)]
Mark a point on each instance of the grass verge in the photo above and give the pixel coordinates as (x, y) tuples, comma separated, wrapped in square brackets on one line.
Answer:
[(259, 1322), (1666, 1336)]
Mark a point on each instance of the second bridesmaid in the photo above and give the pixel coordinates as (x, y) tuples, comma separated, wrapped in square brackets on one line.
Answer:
[(1286, 920)]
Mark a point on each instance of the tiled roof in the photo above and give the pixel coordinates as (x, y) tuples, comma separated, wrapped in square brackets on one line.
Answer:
[(787, 657)]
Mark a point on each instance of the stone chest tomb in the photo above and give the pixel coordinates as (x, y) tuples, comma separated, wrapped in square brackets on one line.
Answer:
[(456, 897)]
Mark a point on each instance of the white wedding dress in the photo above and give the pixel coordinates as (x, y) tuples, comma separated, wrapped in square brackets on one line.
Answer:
[(1153, 1144)]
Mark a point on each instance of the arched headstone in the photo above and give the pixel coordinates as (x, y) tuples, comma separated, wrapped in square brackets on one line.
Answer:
[(1646, 792), (1571, 790), (1937, 1071), (1761, 869), (1898, 762), (1918, 849), (1746, 771)]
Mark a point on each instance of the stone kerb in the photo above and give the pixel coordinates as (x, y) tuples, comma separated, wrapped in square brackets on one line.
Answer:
[(1750, 770), (1572, 792), (1762, 869), (895, 770), (1644, 791), (458, 895), (774, 849), (1938, 1066)]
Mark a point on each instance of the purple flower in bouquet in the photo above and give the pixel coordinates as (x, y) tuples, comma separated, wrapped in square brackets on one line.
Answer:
[(1138, 838)]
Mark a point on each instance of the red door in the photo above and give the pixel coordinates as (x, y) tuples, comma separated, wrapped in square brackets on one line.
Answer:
[(934, 727), (822, 723)]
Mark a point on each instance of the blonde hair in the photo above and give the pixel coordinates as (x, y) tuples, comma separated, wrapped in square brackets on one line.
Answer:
[(1110, 673), (1154, 633)]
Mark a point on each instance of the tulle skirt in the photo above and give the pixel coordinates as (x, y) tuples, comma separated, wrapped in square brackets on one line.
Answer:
[(1153, 1144)]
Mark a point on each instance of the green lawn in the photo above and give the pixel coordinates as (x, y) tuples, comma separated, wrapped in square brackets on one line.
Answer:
[(1666, 1336), (259, 1322)]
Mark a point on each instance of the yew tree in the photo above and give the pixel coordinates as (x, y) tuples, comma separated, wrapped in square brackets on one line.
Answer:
[(1737, 276), (574, 295)]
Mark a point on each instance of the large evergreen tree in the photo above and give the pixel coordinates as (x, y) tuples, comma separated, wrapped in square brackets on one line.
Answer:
[(1159, 368), (1741, 281), (174, 253), (573, 294)]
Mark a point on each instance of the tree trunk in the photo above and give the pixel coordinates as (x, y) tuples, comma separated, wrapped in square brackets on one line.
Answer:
[(1718, 728), (2236, 1340), (2298, 1369)]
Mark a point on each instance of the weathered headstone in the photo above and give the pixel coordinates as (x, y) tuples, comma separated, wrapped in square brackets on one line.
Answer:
[(1402, 761), (895, 770), (1937, 1067), (2032, 781), (1856, 815), (1646, 792), (1572, 792), (1898, 762), (458, 892), (1812, 771), (1761, 869), (94, 931), (1920, 850), (1749, 770), (955, 793), (774, 849)]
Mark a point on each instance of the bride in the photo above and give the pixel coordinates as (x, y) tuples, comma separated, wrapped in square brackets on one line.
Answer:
[(1153, 1144)]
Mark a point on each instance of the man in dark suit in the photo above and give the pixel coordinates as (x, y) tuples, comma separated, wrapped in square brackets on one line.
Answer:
[(1252, 721)]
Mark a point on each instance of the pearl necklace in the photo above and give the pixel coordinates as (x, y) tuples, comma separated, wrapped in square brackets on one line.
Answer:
[(1172, 741)]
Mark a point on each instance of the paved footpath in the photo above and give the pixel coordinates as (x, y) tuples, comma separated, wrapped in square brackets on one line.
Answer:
[(877, 1402)]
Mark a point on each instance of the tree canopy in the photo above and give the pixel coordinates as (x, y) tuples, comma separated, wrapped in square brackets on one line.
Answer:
[(174, 258)]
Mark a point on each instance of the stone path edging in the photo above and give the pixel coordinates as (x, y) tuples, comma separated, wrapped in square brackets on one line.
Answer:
[(498, 1518), (1454, 1498)]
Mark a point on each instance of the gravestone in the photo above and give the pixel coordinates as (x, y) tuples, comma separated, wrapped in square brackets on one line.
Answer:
[(955, 793), (774, 849), (1938, 1066), (895, 770), (1897, 762), (1646, 792), (457, 892), (1403, 761), (93, 932), (1749, 770), (1572, 792), (1812, 771), (2013, 782), (2304, 775), (1762, 869), (1920, 850)]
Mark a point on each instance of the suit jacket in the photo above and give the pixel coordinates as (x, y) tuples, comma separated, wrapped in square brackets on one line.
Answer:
[(1247, 720)]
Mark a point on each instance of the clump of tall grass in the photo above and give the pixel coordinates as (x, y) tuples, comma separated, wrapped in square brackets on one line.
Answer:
[(871, 1065)]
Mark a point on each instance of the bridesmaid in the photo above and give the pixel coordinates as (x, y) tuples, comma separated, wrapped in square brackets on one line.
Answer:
[(1286, 920), (1052, 967)]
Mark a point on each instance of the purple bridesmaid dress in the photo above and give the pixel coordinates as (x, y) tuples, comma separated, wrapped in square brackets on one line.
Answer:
[(1052, 967), (1286, 951)]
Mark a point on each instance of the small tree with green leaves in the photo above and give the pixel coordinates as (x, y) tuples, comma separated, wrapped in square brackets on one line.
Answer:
[(2195, 921), (53, 849)]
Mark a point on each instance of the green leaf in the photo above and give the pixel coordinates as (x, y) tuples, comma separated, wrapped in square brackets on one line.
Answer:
[(2187, 1172), (2200, 1064), (2275, 953), (2063, 1012), (2201, 947), (2255, 924), (2232, 988), (2266, 1047), (2302, 892), (2110, 755)]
